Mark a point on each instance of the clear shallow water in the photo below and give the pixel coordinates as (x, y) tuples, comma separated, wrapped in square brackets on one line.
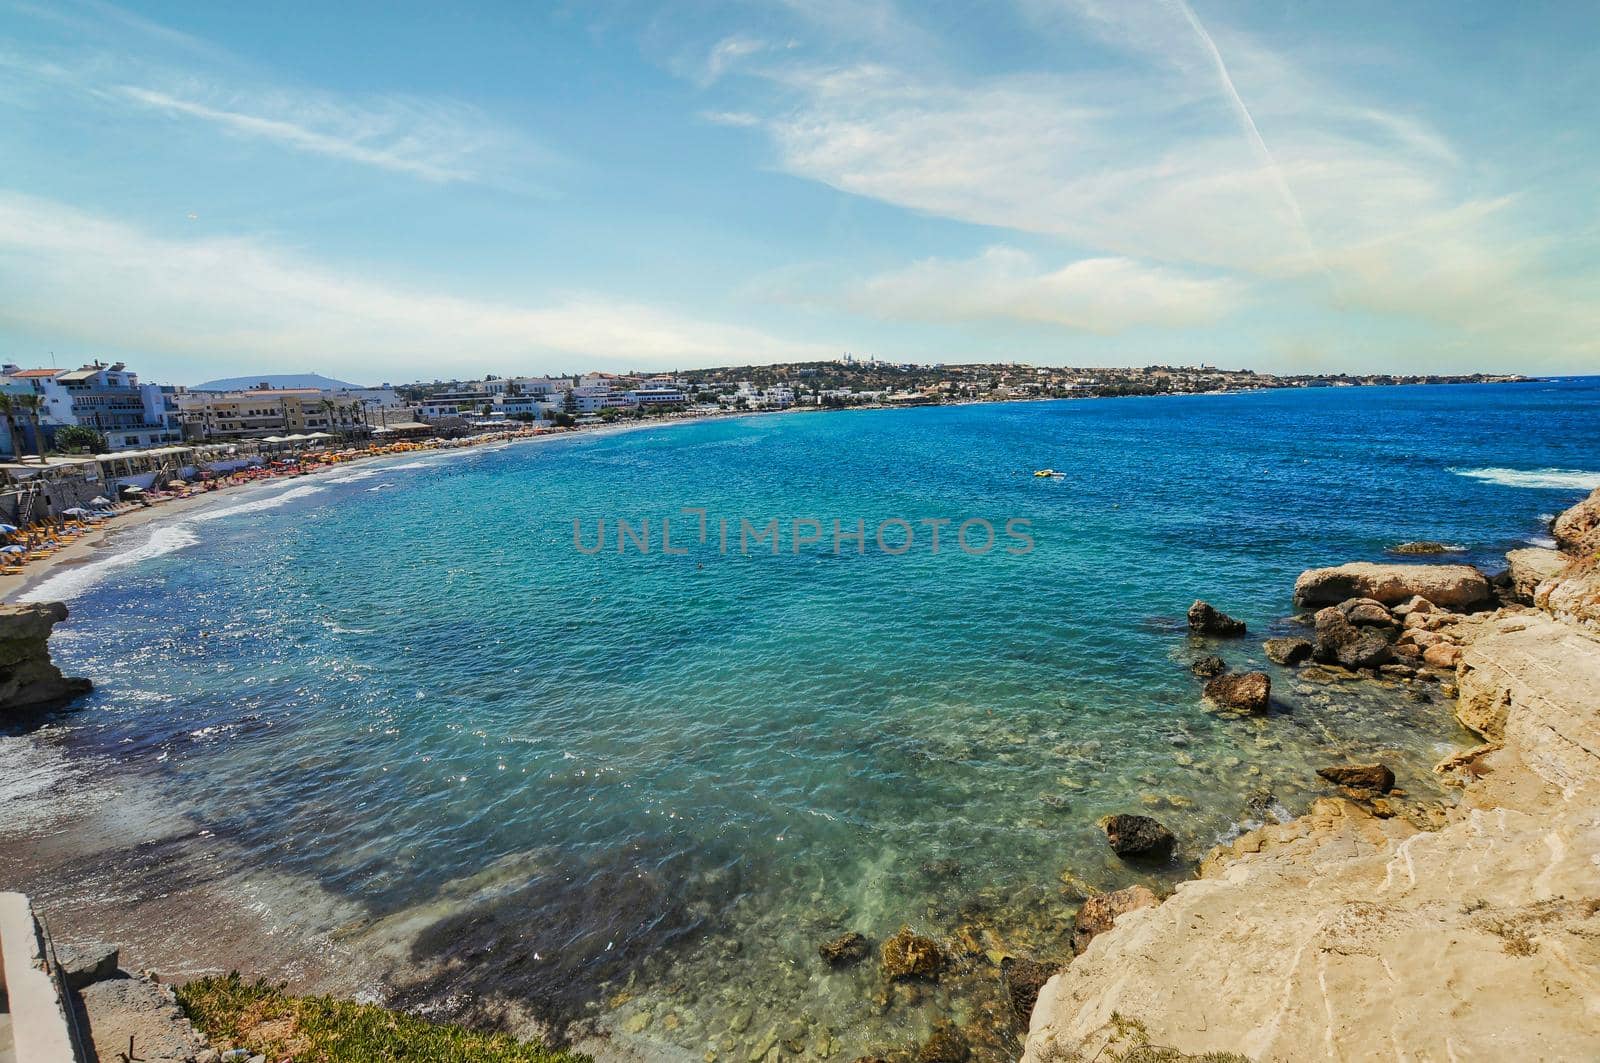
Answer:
[(643, 788)]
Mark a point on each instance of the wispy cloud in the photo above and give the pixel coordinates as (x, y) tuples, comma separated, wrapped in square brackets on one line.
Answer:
[(80, 276), (428, 140), (1101, 295)]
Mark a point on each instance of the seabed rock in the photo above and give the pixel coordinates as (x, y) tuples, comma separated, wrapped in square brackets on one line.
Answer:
[(1023, 979), (908, 955), (850, 947), (1207, 667), (1247, 692), (1360, 776), (1133, 835), (1288, 652)]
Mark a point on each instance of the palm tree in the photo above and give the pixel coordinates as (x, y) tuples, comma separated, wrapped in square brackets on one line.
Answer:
[(29, 405), (8, 410)]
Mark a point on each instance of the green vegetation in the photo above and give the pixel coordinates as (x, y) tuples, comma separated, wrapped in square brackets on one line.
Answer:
[(262, 1018), (79, 437)]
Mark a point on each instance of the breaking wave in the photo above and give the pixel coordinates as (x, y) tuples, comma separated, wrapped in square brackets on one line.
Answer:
[(1555, 479), (70, 582)]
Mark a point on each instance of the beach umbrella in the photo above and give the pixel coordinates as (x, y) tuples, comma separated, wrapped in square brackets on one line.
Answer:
[(13, 549), (8, 529), (131, 489), (100, 500)]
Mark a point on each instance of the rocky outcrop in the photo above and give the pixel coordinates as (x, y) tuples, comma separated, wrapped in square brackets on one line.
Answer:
[(1137, 836), (1533, 683), (1344, 935), (1452, 586), (1573, 594), (1530, 567), (1209, 666), (1204, 619), (1424, 546), (28, 678), (1359, 633), (1249, 692), (1099, 913), (1577, 531)]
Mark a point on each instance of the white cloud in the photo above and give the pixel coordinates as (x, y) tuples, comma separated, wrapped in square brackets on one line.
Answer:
[(1102, 295), (726, 53), (71, 274)]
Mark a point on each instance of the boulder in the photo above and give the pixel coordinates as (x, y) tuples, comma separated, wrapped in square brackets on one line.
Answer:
[(849, 947), (1415, 604), (28, 678), (1530, 567), (1366, 612), (908, 955), (1132, 835), (1441, 655), (1023, 979), (1206, 620), (1452, 586), (1288, 652), (1577, 531), (1350, 645), (1099, 912), (946, 1044), (84, 965), (1246, 691), (1360, 776), (1206, 667)]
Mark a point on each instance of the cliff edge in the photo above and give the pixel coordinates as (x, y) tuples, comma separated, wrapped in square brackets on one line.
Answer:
[(29, 679)]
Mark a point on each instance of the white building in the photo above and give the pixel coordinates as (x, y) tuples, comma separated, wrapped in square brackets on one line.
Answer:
[(106, 398)]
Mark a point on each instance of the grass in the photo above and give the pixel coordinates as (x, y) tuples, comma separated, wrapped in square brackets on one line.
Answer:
[(263, 1018)]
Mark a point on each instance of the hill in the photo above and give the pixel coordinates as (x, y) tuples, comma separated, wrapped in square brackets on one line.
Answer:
[(276, 380)]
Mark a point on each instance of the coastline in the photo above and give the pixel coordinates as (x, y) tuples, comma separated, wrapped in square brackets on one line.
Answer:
[(228, 943)]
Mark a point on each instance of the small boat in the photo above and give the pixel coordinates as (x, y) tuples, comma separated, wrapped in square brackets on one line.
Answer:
[(1049, 472)]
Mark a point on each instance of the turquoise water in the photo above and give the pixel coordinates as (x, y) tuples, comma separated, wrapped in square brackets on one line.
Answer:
[(640, 789)]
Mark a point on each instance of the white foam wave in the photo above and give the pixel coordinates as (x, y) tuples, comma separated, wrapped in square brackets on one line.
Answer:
[(258, 504), (1541, 540), (411, 465), (1553, 479), (71, 582), (355, 477)]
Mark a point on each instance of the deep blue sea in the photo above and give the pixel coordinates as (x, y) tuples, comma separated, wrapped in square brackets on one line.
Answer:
[(642, 788)]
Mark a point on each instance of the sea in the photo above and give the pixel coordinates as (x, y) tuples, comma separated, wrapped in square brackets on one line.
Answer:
[(605, 734)]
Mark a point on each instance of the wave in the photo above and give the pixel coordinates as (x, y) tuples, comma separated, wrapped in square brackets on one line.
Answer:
[(71, 582), (355, 477), (259, 504), (1553, 479)]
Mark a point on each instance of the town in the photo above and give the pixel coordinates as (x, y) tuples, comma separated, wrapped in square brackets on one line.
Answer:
[(74, 436)]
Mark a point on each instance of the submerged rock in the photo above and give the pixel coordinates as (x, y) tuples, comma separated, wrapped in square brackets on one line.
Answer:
[(1023, 979), (1248, 691), (1452, 586), (847, 948), (947, 1044), (1133, 835), (1099, 913), (1287, 652), (1206, 667), (908, 955), (1424, 546), (28, 678), (1204, 619), (1360, 776)]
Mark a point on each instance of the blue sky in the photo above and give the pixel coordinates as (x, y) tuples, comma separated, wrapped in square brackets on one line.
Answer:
[(406, 191)]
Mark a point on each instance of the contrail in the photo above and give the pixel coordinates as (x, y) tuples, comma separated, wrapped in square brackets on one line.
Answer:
[(1249, 124)]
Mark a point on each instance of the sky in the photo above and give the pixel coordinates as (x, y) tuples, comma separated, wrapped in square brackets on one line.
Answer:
[(406, 191)]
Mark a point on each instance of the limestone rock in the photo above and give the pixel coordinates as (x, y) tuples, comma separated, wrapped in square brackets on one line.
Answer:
[(1204, 619), (1100, 912), (1531, 567), (1246, 691), (1287, 652), (849, 947), (1424, 546), (1206, 667), (908, 955), (1441, 655), (1452, 586), (28, 678), (83, 965), (1577, 531), (1132, 835), (1573, 595), (1360, 776)]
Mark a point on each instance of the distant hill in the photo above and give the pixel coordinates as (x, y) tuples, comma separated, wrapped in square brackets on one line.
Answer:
[(275, 380)]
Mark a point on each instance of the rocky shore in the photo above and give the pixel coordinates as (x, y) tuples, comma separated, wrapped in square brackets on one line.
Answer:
[(29, 679), (1352, 932)]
